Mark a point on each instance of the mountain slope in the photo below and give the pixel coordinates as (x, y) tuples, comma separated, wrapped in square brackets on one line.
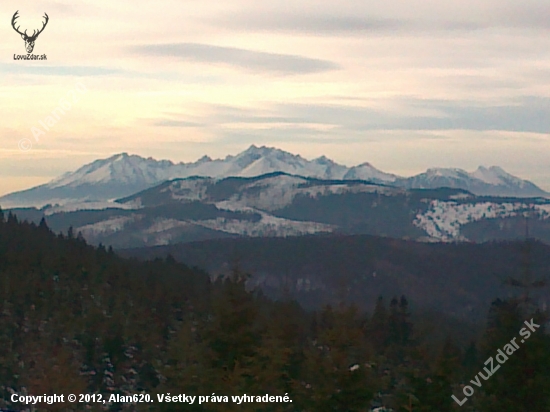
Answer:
[(460, 279), (123, 175), (281, 205), (493, 181), (366, 171)]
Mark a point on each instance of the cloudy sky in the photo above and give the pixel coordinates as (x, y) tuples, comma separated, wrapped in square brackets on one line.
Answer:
[(405, 85)]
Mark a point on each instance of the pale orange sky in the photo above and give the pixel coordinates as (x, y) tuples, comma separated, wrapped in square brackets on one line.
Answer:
[(403, 85)]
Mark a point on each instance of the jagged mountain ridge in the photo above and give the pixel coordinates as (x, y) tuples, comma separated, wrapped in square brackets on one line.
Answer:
[(123, 175), (282, 205), (492, 181)]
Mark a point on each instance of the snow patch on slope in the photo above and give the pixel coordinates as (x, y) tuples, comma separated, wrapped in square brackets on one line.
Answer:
[(278, 192), (269, 194), (163, 231), (544, 211), (495, 175), (188, 190), (162, 225), (459, 196), (443, 220), (267, 226), (366, 171), (108, 226), (73, 207)]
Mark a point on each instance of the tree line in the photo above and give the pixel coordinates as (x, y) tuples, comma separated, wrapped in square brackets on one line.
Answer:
[(75, 318)]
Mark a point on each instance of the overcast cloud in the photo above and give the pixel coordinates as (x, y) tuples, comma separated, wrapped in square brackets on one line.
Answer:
[(403, 85), (241, 58)]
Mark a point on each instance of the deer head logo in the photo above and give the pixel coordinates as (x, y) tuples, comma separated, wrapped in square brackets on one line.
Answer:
[(29, 40)]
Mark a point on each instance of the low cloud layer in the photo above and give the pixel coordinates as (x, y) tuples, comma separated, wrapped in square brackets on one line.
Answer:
[(245, 59)]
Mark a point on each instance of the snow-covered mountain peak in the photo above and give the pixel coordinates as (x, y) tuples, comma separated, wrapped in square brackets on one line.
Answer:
[(124, 174), (496, 175), (445, 172), (262, 151), (323, 160), (204, 159), (120, 156), (254, 153), (366, 171), (253, 150), (121, 168)]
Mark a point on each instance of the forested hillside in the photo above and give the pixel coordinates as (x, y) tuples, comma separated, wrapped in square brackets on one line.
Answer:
[(80, 319), (458, 279), (282, 205)]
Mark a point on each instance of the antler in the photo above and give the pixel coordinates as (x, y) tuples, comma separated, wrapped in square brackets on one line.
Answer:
[(34, 33), (15, 16), (43, 25)]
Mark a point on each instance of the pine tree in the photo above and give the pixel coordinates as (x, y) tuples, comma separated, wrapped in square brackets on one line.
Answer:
[(399, 329), (233, 334), (336, 375), (525, 369), (448, 363), (405, 324), (471, 361), (378, 327), (43, 225), (12, 219)]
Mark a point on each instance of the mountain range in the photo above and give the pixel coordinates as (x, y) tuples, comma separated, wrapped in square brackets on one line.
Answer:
[(282, 205), (122, 175)]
